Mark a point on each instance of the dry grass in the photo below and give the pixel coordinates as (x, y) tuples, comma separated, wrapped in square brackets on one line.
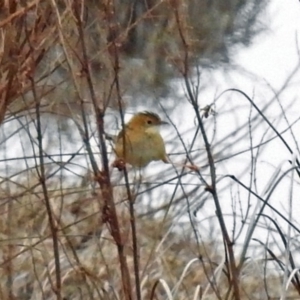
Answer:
[(88, 255)]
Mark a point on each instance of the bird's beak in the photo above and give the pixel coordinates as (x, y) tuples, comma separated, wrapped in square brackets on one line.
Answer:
[(164, 123)]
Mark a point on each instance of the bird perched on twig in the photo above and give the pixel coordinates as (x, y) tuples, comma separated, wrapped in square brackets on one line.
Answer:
[(140, 142)]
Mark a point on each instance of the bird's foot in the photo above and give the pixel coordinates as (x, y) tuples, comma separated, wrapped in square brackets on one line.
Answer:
[(120, 164), (193, 167)]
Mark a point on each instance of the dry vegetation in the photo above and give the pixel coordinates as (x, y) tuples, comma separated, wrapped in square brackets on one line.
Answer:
[(84, 238)]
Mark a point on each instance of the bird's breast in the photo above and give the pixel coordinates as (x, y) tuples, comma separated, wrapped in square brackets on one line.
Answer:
[(141, 147)]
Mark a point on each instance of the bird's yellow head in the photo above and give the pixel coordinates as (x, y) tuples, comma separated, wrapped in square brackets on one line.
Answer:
[(146, 120)]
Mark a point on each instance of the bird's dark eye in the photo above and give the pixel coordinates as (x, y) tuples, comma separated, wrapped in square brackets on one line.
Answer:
[(149, 122)]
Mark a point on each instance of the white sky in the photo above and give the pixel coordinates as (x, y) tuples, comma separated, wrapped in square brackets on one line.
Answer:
[(274, 54)]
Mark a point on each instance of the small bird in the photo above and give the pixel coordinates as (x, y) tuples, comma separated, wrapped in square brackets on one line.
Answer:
[(140, 142)]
